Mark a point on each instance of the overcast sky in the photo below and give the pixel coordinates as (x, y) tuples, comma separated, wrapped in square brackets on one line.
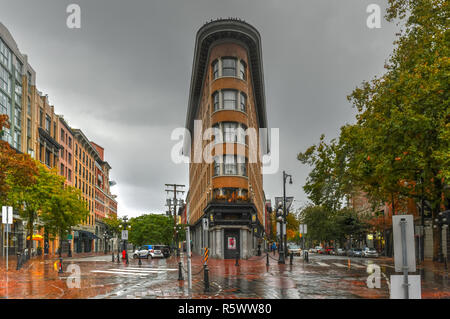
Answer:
[(124, 77)]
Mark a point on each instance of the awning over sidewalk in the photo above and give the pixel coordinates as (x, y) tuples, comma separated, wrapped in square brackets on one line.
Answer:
[(86, 234)]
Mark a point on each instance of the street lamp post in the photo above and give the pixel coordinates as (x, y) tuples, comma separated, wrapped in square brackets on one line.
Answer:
[(125, 226), (105, 238), (283, 237)]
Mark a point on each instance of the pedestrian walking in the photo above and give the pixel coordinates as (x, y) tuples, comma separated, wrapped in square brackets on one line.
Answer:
[(274, 247)]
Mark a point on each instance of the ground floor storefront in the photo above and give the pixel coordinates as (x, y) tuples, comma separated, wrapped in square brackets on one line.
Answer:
[(229, 231)]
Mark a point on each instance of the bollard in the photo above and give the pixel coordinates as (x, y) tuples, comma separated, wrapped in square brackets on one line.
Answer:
[(237, 259), (139, 262), (118, 258), (291, 258), (19, 261), (126, 258), (60, 266), (113, 259), (180, 271), (206, 278), (306, 256), (267, 259)]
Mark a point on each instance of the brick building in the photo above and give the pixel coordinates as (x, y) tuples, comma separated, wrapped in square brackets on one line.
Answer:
[(227, 98)]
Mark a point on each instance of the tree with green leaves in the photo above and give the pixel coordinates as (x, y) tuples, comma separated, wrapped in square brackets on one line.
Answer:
[(151, 229), (66, 209), (399, 146)]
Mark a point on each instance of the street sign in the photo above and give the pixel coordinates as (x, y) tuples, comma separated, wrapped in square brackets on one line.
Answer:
[(397, 289), (205, 223), (124, 234), (69, 237), (7, 215), (409, 242), (303, 229)]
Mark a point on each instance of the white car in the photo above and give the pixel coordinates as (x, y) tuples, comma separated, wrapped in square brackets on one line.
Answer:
[(155, 251), (141, 252)]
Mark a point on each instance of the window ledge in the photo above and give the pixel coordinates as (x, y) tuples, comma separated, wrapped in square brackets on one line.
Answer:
[(228, 76)]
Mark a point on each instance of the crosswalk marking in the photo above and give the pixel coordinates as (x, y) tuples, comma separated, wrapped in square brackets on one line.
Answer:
[(149, 268), (151, 271), (323, 264), (357, 266), (340, 265), (120, 273), (387, 265)]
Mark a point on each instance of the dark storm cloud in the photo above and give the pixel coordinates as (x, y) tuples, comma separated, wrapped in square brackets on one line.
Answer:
[(124, 77)]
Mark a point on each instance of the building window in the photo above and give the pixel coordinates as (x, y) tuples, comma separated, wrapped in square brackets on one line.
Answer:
[(217, 163), (48, 123), (5, 104), (19, 67), (17, 140), (242, 70), (47, 157), (215, 67), (70, 158), (229, 132), (62, 169), (62, 135), (216, 99), (243, 102), (229, 67), (5, 80), (70, 142), (18, 117), (69, 175), (232, 165), (229, 99), (5, 55)]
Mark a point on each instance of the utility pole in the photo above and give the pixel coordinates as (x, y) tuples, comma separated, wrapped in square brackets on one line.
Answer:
[(173, 188)]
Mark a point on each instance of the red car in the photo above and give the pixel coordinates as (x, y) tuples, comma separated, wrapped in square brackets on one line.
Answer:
[(329, 250)]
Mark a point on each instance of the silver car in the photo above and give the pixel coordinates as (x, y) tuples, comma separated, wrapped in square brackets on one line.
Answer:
[(370, 252), (156, 251)]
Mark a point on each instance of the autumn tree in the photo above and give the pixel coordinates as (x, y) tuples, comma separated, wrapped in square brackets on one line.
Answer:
[(15, 168)]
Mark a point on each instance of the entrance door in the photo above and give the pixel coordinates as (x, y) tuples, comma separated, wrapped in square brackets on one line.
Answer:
[(231, 243)]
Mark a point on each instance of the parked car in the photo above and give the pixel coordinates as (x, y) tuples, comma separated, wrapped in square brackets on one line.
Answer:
[(141, 252), (294, 249), (156, 251), (357, 252), (312, 250), (320, 250), (340, 252), (370, 252), (330, 251)]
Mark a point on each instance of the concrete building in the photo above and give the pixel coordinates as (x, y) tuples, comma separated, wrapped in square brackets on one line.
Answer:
[(226, 97)]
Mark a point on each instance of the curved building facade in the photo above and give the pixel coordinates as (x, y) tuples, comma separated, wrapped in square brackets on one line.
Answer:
[(225, 203)]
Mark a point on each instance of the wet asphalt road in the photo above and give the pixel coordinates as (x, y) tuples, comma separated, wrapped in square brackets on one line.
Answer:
[(325, 277)]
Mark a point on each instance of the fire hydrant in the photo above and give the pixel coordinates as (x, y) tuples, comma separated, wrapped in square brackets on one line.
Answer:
[(124, 254)]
